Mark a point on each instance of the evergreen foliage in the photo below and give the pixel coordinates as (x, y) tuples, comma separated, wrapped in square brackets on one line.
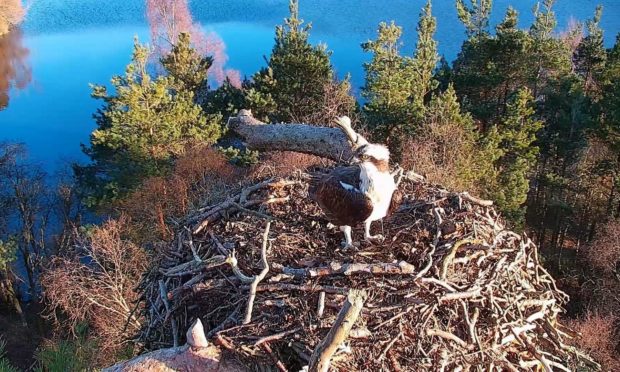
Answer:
[(291, 87), (590, 55), (517, 134), (475, 18), (187, 69), (397, 86), (146, 123)]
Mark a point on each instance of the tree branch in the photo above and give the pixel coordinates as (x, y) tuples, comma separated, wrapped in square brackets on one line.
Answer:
[(321, 357), (331, 143)]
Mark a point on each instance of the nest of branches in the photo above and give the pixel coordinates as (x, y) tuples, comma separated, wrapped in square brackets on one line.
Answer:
[(449, 289)]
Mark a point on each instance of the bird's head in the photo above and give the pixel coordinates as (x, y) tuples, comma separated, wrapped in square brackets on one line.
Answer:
[(379, 155)]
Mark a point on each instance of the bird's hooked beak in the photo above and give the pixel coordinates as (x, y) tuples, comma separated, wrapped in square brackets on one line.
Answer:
[(354, 159)]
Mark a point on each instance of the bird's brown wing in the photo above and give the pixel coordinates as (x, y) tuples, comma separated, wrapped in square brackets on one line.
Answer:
[(338, 195)]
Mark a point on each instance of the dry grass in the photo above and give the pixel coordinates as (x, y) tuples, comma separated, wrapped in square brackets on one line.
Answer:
[(283, 164)]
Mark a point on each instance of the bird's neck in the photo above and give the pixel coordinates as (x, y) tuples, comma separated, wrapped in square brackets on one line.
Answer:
[(370, 175)]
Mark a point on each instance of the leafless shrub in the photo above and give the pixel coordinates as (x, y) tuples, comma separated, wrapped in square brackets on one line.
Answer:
[(337, 101), (95, 284), (443, 154), (599, 337), (603, 253)]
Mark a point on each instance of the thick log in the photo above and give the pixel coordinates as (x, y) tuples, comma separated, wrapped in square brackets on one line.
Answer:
[(331, 143)]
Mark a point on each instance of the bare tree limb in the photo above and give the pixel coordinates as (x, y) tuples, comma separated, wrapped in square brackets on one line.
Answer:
[(331, 143), (321, 357), (259, 277)]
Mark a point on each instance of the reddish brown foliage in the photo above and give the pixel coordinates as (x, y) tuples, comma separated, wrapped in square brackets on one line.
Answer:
[(11, 13), (603, 253), (95, 283), (283, 164), (169, 18), (200, 176), (599, 338), (14, 70), (443, 157)]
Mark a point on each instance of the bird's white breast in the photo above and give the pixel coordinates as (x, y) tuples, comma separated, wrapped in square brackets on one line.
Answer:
[(379, 187)]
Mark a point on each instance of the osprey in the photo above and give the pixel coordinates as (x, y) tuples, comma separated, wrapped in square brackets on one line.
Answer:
[(364, 192)]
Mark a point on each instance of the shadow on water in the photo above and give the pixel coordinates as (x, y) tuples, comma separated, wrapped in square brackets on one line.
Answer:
[(15, 72)]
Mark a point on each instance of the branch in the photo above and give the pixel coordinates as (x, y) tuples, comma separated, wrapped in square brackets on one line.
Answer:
[(331, 143), (335, 268), (321, 357), (257, 279)]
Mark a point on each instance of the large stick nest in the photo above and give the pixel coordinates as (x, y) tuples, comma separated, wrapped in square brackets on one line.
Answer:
[(450, 288)]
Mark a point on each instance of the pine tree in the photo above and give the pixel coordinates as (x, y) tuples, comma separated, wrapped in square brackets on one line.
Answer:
[(517, 134), (549, 55), (186, 67), (388, 83), (590, 55), (424, 60), (291, 87), (398, 86), (476, 18), (490, 69), (141, 128)]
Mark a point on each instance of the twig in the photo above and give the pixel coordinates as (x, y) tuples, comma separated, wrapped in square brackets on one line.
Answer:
[(275, 359), (276, 336), (389, 346), (259, 277), (447, 336), (335, 268), (252, 212), (301, 287), (321, 305)]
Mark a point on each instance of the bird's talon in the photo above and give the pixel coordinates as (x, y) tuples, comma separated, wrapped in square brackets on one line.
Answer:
[(375, 239), (346, 246)]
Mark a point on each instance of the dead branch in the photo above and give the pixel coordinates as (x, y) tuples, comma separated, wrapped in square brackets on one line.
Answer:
[(257, 279), (322, 355), (325, 142), (335, 268)]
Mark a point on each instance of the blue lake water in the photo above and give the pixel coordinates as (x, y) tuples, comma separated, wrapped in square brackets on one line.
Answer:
[(73, 43)]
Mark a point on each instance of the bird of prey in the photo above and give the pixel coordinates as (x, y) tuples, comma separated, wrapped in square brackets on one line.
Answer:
[(363, 192)]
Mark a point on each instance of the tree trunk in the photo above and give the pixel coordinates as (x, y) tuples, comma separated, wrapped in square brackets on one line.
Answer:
[(331, 143)]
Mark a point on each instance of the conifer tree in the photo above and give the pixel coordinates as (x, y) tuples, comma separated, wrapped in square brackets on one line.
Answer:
[(141, 127), (291, 87), (475, 18), (490, 69), (397, 86), (517, 134), (388, 83), (590, 55), (186, 67), (549, 56), (424, 60)]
